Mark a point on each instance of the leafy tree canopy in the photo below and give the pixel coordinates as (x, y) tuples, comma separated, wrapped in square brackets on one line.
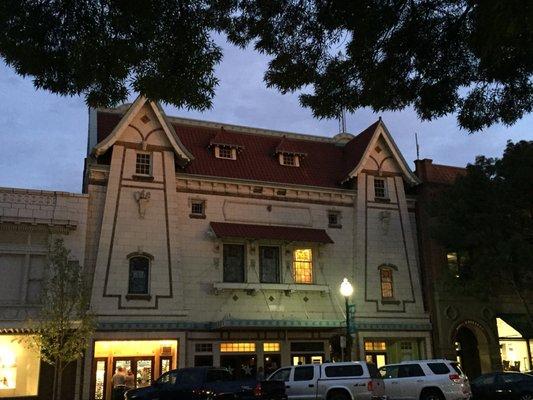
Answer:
[(473, 58), (488, 216), (440, 56), (101, 48)]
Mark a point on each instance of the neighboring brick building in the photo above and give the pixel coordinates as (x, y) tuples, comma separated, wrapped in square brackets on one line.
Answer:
[(29, 219), (484, 336), (226, 245)]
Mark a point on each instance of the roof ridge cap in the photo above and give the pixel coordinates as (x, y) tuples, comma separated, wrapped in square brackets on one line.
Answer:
[(249, 130)]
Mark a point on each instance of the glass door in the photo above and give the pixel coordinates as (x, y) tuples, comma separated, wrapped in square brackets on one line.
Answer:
[(144, 371), (99, 379)]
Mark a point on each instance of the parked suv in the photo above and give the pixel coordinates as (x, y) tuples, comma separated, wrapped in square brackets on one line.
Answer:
[(331, 381), (425, 380)]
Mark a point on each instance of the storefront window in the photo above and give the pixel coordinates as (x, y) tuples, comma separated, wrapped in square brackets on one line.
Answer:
[(237, 347), (271, 347), (19, 368), (513, 348)]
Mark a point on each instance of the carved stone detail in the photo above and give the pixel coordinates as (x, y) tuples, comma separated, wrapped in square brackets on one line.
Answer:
[(143, 198)]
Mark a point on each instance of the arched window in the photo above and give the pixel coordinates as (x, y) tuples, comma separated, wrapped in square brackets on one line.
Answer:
[(387, 287), (138, 282)]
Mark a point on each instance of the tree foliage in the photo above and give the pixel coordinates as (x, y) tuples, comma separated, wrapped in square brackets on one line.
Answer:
[(64, 323), (469, 57), (439, 56), (488, 215), (100, 48)]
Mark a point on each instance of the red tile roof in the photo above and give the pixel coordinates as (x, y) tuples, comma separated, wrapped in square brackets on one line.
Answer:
[(228, 230), (289, 147), (436, 173), (326, 163), (356, 147), (222, 138)]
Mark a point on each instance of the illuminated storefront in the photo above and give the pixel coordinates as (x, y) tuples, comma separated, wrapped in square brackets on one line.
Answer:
[(146, 359), (19, 368), (515, 349), (381, 351)]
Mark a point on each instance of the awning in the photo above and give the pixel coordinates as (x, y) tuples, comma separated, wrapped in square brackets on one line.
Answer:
[(520, 323), (292, 234)]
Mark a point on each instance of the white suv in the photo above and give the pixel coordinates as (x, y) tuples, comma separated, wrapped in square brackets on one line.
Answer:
[(425, 380)]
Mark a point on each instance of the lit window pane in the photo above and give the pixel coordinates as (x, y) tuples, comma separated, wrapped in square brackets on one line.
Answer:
[(303, 266), (236, 347), (271, 347), (387, 291)]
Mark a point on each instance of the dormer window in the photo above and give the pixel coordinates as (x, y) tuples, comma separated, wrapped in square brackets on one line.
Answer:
[(290, 160), (143, 165), (289, 152), (226, 145), (225, 152)]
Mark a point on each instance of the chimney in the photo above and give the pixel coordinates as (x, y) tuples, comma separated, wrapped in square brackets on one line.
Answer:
[(423, 168)]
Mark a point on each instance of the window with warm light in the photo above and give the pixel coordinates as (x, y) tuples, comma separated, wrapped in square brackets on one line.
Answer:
[(375, 346), (19, 368), (271, 347), (237, 347), (387, 291), (303, 266)]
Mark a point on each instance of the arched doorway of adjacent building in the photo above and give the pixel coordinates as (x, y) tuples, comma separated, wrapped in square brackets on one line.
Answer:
[(472, 348), (467, 349)]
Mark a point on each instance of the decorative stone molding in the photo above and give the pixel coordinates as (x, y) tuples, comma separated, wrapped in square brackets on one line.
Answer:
[(28, 198), (143, 198), (451, 313)]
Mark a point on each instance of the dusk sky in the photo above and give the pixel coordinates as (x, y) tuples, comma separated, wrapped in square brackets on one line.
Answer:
[(44, 136)]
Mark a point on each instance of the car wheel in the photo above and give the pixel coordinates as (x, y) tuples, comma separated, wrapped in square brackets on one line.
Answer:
[(431, 395), (526, 396)]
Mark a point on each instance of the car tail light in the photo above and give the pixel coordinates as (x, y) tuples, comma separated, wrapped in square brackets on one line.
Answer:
[(370, 386), (455, 378), (257, 390)]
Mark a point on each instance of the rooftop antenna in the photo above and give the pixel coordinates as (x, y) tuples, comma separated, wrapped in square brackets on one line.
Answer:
[(417, 147), (342, 121)]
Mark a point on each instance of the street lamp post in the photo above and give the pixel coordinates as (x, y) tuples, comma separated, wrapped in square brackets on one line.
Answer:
[(346, 290)]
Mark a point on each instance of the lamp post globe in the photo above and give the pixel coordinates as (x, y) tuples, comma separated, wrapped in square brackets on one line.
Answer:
[(346, 288)]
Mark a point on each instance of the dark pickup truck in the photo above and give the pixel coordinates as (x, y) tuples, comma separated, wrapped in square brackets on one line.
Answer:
[(207, 383)]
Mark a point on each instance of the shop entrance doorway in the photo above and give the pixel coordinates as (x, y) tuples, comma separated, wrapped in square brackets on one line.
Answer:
[(146, 359), (142, 369), (466, 346)]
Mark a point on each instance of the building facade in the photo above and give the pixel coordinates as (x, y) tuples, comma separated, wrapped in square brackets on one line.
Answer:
[(29, 220), (483, 336), (214, 244)]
